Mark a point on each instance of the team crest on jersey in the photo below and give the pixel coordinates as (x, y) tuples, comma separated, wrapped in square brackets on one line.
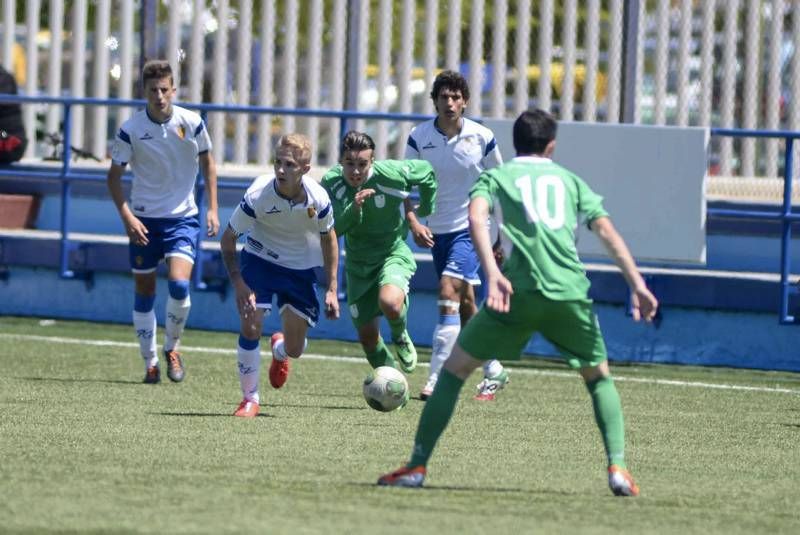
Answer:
[(354, 311), (181, 132), (380, 201)]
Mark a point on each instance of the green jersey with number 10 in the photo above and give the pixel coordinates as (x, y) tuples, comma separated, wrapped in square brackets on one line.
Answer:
[(537, 205)]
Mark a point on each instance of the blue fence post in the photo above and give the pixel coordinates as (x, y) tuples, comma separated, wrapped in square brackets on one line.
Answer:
[(66, 187), (786, 232)]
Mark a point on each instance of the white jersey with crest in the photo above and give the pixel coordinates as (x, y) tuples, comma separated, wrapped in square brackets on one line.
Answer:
[(458, 162), (279, 230), (163, 159)]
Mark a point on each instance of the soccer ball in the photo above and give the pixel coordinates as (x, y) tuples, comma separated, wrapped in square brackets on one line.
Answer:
[(385, 389)]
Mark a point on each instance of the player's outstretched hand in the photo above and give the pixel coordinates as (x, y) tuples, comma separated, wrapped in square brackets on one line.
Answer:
[(644, 304), (331, 305), (498, 293), (423, 236), (212, 223), (363, 195), (136, 231)]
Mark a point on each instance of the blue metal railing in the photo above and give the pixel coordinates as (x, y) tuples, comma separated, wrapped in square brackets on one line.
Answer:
[(66, 176), (785, 215)]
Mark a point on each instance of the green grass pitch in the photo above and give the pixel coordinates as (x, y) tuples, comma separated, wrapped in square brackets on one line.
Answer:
[(86, 448)]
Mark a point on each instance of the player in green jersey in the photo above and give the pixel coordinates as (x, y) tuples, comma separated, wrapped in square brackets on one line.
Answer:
[(542, 287), (367, 198)]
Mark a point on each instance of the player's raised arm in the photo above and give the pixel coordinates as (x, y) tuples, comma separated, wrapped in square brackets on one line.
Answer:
[(645, 305)]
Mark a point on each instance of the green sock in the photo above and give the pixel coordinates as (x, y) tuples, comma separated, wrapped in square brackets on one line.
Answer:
[(381, 356), (608, 415), (398, 326), (435, 416)]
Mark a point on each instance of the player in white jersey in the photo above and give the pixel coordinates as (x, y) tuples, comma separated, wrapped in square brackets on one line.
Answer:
[(165, 146), (288, 220), (459, 150)]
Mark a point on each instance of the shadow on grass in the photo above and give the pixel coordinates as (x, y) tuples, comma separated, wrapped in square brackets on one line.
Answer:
[(325, 395), (450, 488), (212, 414), (330, 407), (68, 380)]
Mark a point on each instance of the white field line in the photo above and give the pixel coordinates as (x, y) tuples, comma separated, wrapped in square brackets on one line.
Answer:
[(360, 360)]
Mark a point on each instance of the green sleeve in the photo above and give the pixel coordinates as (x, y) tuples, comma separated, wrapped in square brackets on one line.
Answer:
[(345, 214), (590, 204), (420, 173), (484, 187)]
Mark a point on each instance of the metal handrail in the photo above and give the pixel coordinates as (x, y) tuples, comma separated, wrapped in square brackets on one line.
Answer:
[(785, 215), (66, 176)]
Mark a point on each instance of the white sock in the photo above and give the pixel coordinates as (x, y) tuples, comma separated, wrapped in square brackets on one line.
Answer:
[(177, 312), (144, 323), (492, 368), (279, 351), (444, 337), (249, 371)]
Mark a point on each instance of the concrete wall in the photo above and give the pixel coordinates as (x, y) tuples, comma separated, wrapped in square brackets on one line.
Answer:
[(686, 336)]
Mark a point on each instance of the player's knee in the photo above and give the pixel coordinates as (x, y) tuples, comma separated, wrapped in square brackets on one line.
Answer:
[(591, 374), (145, 283), (391, 307), (178, 289)]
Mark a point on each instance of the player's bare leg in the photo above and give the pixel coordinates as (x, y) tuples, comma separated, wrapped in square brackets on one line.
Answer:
[(291, 342)]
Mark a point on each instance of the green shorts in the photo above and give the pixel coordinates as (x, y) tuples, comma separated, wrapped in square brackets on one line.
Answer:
[(364, 284), (571, 326)]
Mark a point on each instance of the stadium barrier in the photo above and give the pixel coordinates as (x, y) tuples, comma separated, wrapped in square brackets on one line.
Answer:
[(66, 175), (699, 293), (785, 215)]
